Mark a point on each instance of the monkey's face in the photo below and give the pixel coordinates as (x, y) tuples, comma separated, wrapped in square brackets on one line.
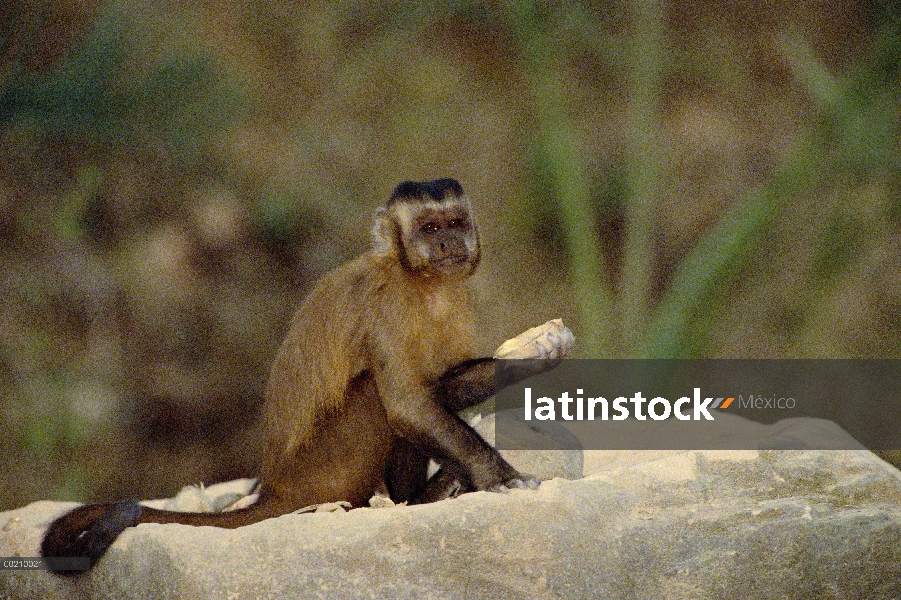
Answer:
[(428, 228), (443, 241)]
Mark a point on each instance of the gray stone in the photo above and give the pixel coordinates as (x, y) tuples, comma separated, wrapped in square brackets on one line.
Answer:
[(656, 524), (543, 464)]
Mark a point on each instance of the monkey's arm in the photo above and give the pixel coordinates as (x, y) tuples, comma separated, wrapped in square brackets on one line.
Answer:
[(532, 352), (415, 414), (474, 381), (463, 386), (466, 384), (460, 387)]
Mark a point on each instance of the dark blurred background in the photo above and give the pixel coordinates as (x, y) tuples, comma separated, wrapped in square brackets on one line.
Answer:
[(683, 179)]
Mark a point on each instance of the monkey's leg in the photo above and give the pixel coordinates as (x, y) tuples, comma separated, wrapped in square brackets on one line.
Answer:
[(466, 384), (407, 477), (444, 484), (476, 380), (406, 474), (530, 353)]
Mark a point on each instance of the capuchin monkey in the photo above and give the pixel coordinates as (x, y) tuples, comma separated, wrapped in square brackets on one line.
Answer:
[(366, 386)]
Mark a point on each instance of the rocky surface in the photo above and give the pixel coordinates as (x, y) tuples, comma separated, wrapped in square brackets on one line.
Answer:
[(662, 524)]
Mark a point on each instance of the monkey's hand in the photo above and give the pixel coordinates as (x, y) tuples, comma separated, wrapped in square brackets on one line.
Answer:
[(551, 341), (521, 482)]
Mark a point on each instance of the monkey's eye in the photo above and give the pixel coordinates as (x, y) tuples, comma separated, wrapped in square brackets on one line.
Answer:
[(430, 227), (455, 223)]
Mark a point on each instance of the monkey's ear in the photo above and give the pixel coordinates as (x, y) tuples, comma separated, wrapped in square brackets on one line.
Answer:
[(382, 232)]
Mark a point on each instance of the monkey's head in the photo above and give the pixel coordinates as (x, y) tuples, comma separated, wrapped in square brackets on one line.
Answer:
[(429, 227)]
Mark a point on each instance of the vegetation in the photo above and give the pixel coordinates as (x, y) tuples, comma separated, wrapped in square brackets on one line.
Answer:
[(673, 179)]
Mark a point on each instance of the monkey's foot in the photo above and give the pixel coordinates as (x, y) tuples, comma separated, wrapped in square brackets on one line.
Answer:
[(522, 481)]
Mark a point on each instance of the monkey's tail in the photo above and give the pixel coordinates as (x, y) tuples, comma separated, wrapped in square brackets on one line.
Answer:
[(89, 531)]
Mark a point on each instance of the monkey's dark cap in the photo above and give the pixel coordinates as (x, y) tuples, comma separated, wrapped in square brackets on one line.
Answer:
[(419, 191)]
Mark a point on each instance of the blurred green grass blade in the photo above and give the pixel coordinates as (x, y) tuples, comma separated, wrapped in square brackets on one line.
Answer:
[(826, 151), (568, 183), (707, 273), (643, 166), (822, 87)]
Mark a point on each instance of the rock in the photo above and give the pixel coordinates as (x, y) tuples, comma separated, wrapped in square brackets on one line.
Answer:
[(727, 432), (678, 524), (543, 464), (551, 340)]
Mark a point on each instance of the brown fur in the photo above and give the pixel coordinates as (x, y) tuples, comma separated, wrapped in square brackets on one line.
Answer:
[(330, 343), (364, 386)]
